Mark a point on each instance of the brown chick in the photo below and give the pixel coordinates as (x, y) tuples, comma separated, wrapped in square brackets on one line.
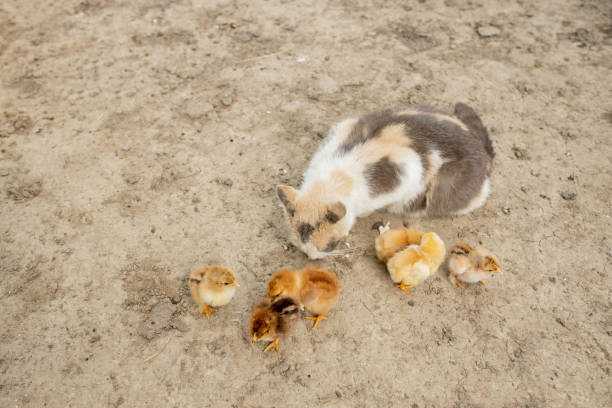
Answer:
[(468, 264), (317, 289), (273, 321), (413, 265), (212, 286), (391, 241)]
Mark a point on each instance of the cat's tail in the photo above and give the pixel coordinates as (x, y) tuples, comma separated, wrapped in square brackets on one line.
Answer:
[(468, 116)]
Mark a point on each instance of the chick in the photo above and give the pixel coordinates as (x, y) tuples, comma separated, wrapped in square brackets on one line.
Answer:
[(212, 286), (467, 264), (317, 289), (412, 265), (392, 240), (273, 320)]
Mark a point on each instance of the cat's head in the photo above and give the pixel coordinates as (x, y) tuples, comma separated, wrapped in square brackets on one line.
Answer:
[(314, 225)]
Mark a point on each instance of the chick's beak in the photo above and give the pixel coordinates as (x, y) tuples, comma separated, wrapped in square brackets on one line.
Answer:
[(235, 283)]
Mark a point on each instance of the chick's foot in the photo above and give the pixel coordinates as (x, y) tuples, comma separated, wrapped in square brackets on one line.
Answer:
[(274, 345), (206, 309), (316, 319), (405, 288)]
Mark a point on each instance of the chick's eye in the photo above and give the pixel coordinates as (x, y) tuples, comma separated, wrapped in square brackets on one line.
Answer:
[(226, 283)]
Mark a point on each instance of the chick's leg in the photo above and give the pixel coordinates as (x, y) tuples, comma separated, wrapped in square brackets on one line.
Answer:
[(405, 288), (206, 309), (274, 345), (457, 282), (316, 319)]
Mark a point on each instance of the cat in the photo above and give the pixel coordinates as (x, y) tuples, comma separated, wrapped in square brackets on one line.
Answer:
[(416, 162)]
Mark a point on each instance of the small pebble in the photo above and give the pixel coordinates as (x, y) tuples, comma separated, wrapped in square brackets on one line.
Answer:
[(506, 209), (338, 394), (568, 196), (488, 31), (567, 134), (88, 283), (520, 154), (568, 154), (227, 100)]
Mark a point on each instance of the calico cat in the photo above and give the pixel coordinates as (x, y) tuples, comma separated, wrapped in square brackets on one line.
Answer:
[(416, 162)]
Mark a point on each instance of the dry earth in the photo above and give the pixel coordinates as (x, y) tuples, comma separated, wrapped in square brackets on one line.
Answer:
[(140, 139)]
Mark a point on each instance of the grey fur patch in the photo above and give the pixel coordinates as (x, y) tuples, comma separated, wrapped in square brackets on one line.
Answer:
[(366, 128), (457, 183), (332, 217), (382, 176), (469, 117), (305, 230), (418, 204)]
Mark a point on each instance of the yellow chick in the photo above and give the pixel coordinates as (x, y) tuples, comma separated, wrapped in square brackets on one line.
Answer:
[(410, 267), (212, 286), (317, 289), (273, 320), (391, 241), (469, 265)]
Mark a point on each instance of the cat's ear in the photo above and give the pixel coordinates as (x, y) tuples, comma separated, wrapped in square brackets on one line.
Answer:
[(335, 212), (287, 195)]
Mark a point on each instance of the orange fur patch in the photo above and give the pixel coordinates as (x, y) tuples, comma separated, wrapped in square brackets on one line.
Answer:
[(343, 183), (389, 143), (321, 237)]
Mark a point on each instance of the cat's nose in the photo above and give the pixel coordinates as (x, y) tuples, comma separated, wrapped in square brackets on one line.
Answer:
[(331, 245)]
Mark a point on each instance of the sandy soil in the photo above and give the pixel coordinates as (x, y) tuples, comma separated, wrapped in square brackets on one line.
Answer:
[(138, 142)]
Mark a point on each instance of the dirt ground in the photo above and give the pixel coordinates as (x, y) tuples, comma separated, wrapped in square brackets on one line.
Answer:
[(141, 139)]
